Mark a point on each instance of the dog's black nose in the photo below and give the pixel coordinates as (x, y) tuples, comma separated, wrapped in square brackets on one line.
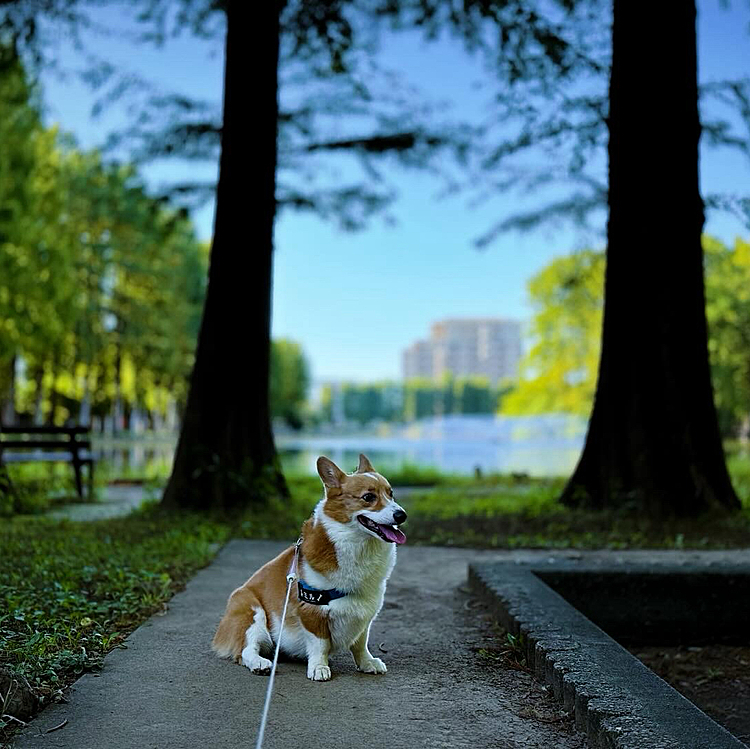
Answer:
[(399, 516)]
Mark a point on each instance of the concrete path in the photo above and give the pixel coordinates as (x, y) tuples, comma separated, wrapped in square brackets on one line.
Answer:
[(167, 689), (114, 501)]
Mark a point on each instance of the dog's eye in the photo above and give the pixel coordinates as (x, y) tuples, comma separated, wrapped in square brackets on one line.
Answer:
[(369, 497)]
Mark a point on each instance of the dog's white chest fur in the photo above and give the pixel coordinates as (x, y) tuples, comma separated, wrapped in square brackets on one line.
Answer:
[(364, 566)]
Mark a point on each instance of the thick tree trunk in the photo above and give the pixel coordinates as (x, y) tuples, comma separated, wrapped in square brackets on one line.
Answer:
[(653, 441), (226, 457)]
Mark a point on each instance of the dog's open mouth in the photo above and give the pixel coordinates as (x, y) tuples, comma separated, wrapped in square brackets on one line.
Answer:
[(388, 533)]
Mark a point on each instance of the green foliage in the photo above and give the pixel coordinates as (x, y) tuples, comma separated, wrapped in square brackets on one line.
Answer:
[(71, 592), (289, 382), (362, 403), (101, 285), (421, 398), (558, 374), (728, 317), (36, 487), (473, 395)]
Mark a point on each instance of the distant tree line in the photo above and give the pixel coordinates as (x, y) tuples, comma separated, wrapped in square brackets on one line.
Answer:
[(101, 285), (415, 398), (289, 382), (558, 373)]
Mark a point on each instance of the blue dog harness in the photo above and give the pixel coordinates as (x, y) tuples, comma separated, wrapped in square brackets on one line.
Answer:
[(308, 594)]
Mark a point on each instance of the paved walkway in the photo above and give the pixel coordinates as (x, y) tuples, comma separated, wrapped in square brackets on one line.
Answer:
[(114, 501), (166, 690)]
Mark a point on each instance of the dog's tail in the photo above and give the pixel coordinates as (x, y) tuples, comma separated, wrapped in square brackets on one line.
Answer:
[(229, 640)]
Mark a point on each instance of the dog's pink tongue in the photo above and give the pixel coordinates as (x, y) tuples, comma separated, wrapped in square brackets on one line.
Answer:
[(394, 535)]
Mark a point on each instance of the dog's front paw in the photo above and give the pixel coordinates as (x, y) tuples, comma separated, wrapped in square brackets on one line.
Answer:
[(257, 664), (319, 673), (372, 666)]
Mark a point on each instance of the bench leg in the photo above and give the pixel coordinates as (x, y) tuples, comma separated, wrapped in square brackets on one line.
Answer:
[(79, 481), (91, 480)]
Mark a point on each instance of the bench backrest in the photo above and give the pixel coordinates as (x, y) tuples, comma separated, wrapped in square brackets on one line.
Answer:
[(75, 430), (59, 438)]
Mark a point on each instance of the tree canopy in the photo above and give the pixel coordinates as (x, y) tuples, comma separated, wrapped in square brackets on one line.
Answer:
[(98, 280), (558, 373), (728, 316)]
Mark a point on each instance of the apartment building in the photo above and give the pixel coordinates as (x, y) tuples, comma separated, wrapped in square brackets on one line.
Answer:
[(489, 347)]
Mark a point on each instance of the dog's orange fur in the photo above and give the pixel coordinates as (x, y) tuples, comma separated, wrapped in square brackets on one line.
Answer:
[(267, 589), (317, 547)]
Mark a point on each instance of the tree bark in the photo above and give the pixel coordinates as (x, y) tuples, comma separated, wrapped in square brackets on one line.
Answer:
[(225, 457), (653, 442)]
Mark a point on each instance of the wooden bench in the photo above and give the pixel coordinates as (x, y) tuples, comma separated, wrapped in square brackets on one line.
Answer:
[(50, 444)]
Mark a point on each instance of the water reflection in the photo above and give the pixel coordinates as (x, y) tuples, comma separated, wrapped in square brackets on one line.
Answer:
[(135, 458), (539, 446)]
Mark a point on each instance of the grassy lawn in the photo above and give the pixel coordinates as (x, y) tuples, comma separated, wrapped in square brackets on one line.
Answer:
[(529, 516), (70, 592), (515, 512)]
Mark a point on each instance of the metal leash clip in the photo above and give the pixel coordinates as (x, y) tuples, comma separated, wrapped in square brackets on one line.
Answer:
[(292, 574)]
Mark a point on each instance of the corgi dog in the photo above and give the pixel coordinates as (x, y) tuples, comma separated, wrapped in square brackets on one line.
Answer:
[(346, 555)]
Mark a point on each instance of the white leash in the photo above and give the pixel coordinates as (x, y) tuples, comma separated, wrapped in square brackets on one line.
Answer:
[(290, 578)]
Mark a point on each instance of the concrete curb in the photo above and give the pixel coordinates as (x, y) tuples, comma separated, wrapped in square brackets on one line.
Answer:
[(617, 701)]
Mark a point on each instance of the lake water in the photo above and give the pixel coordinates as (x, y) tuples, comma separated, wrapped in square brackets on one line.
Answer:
[(538, 445)]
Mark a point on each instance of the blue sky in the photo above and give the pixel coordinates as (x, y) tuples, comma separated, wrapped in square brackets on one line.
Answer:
[(355, 300)]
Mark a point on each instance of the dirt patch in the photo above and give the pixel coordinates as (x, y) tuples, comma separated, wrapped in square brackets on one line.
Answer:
[(499, 653), (716, 678)]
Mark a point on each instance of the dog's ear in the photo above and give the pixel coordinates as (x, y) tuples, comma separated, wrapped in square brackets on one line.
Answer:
[(330, 474), (364, 465)]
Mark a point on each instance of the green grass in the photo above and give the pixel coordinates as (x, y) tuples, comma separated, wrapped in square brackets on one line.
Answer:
[(738, 463), (529, 499), (523, 512), (70, 592), (410, 474), (501, 511), (38, 487)]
